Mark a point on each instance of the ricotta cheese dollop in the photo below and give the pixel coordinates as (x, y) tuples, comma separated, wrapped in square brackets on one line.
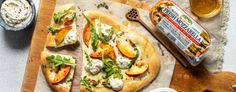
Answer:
[(16, 13), (95, 68), (104, 27), (122, 62), (71, 38), (116, 83)]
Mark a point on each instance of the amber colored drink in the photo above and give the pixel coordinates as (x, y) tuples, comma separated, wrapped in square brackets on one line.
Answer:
[(206, 8)]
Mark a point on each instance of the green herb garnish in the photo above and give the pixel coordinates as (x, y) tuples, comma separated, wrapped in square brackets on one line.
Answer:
[(59, 15), (105, 38), (69, 19), (106, 84), (59, 60), (110, 68), (52, 29), (93, 34), (86, 84), (102, 38), (88, 59), (74, 16), (134, 59)]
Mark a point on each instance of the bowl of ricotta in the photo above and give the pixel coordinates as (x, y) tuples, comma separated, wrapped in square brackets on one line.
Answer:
[(16, 15)]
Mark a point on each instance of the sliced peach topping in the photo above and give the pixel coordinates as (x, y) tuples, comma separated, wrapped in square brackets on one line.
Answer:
[(126, 48), (106, 50), (61, 34), (68, 21), (86, 32), (112, 55), (137, 69), (61, 74)]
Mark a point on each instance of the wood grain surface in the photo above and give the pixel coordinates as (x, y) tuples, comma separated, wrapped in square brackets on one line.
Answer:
[(45, 13), (192, 79)]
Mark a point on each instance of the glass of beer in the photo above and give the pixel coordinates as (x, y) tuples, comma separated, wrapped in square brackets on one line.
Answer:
[(206, 8)]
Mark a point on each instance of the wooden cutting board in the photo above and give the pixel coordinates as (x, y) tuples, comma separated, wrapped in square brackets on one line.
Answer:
[(183, 80)]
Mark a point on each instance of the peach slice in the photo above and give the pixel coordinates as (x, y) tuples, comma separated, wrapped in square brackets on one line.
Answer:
[(86, 32), (106, 50), (137, 69), (126, 48), (112, 55), (61, 34), (61, 74), (68, 21)]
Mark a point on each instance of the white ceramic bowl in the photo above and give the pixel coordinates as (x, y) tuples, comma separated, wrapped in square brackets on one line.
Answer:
[(29, 24), (163, 90)]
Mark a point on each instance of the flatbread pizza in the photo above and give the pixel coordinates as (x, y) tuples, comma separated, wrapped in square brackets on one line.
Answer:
[(115, 58), (58, 70), (62, 30)]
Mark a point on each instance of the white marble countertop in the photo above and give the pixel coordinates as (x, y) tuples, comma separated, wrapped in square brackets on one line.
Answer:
[(15, 46), (230, 48)]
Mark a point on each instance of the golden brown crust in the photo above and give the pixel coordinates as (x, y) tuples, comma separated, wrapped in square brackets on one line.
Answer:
[(148, 53), (46, 73), (50, 41), (54, 87)]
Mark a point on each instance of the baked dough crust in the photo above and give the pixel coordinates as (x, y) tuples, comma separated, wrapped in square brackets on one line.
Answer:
[(148, 53)]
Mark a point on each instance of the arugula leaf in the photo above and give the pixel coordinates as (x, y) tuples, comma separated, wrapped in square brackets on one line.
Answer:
[(106, 84), (68, 20), (59, 60), (105, 38), (101, 36), (59, 15), (99, 26), (134, 59), (93, 34), (110, 68), (52, 29), (86, 84), (88, 59), (73, 16)]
